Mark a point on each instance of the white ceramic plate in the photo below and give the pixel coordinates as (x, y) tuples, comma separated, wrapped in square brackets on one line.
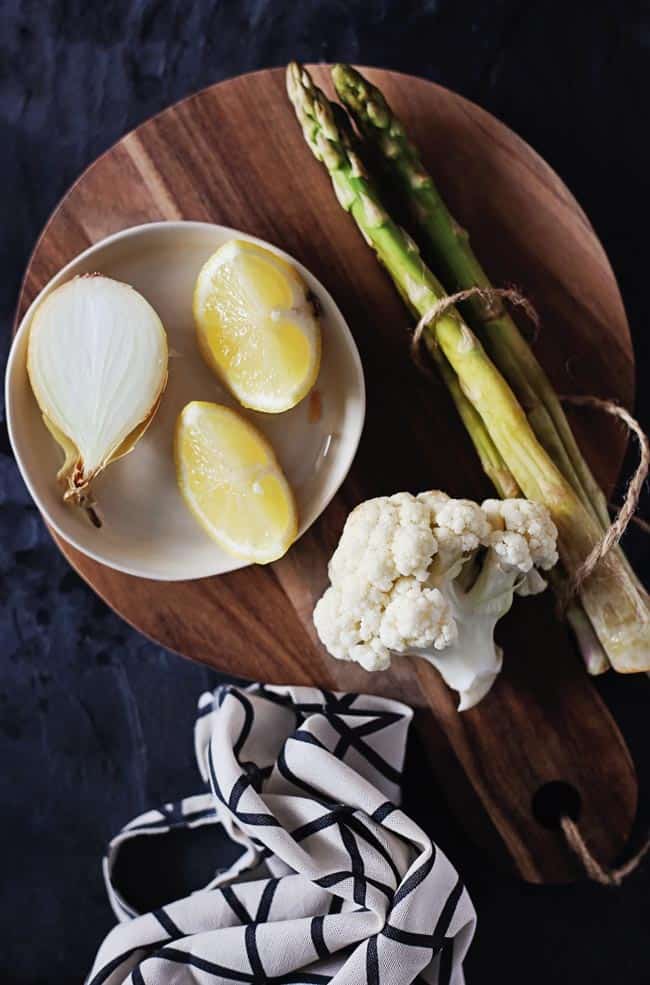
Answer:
[(147, 529)]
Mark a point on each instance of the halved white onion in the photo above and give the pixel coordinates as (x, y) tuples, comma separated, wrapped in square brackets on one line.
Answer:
[(97, 362)]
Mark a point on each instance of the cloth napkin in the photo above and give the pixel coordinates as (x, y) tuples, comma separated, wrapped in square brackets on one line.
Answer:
[(335, 884)]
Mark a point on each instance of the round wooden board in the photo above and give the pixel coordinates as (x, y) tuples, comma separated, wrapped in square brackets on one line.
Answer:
[(233, 154)]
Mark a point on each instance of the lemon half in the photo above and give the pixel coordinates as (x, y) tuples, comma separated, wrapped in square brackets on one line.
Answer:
[(256, 326), (233, 484)]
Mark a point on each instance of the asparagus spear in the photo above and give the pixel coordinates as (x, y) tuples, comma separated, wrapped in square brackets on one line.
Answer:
[(460, 269), (618, 614)]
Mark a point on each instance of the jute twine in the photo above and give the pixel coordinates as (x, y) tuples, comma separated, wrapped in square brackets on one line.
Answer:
[(593, 868), (492, 298), (631, 501)]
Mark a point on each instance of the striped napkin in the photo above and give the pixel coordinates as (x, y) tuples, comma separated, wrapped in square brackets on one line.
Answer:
[(334, 883)]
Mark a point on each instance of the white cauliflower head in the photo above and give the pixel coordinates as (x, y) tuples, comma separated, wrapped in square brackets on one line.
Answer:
[(396, 583)]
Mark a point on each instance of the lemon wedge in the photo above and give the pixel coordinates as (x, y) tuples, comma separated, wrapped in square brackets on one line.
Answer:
[(256, 326), (233, 484)]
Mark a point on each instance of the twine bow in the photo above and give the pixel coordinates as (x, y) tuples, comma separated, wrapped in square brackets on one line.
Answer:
[(491, 298)]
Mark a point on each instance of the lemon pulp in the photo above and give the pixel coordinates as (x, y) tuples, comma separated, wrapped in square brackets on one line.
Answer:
[(231, 480), (256, 326)]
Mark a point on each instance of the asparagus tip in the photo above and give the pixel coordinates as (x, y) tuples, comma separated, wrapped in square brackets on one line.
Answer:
[(294, 71), (339, 72), (349, 83), (364, 100)]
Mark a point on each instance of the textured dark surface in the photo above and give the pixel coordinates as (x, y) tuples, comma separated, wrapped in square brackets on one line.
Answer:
[(95, 723)]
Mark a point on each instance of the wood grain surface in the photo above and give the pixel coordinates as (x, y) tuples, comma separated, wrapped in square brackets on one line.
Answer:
[(233, 154)]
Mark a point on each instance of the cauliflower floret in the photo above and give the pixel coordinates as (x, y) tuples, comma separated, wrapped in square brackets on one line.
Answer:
[(372, 656), (401, 523), (511, 549), (417, 617), (362, 545), (532, 521), (464, 523), (410, 508), (413, 542), (413, 548), (434, 500), (349, 628)]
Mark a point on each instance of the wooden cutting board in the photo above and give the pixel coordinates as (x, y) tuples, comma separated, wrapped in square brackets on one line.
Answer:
[(233, 154)]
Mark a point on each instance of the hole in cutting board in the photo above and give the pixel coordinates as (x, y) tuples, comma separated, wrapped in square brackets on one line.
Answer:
[(555, 800)]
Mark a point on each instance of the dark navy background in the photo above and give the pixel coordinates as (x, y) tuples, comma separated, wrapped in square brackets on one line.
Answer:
[(95, 722)]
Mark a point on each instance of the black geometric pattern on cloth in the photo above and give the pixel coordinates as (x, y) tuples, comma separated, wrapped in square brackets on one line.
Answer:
[(335, 883)]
